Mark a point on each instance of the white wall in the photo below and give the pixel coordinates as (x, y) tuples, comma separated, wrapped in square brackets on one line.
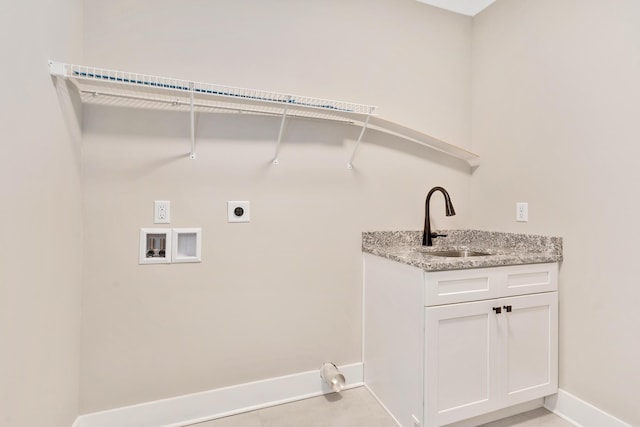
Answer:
[(411, 60), (554, 85), (281, 294), (555, 113), (40, 255)]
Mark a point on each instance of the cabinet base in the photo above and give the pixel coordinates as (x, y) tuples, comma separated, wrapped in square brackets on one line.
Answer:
[(497, 415)]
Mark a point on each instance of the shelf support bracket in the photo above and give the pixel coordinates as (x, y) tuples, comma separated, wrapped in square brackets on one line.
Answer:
[(280, 133), (364, 127), (192, 115)]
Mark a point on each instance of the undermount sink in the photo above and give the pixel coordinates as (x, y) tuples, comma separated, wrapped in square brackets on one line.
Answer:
[(458, 253)]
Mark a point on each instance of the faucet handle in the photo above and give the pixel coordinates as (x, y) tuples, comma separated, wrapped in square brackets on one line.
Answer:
[(433, 235)]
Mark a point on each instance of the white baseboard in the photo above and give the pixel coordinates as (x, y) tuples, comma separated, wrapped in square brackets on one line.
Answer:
[(222, 402), (579, 412)]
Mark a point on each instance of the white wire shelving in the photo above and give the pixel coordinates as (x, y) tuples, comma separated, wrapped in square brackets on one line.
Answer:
[(126, 89)]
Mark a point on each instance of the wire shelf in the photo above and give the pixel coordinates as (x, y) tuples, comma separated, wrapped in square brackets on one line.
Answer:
[(146, 91), (126, 89)]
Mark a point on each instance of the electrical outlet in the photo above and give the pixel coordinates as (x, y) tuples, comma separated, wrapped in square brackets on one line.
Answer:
[(522, 212), (162, 212), (238, 211)]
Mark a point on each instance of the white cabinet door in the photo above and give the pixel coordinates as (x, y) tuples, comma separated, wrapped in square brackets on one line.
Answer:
[(461, 361), (478, 360), (528, 347)]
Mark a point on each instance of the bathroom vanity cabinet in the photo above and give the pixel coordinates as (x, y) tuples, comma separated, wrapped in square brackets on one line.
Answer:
[(445, 346)]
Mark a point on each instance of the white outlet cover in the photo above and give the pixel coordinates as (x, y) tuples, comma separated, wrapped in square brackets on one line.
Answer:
[(522, 212), (162, 212), (238, 211)]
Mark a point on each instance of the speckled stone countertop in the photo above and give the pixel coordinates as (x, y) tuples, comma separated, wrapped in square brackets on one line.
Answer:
[(503, 248)]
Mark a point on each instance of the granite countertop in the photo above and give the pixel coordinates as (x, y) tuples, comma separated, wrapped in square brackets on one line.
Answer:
[(503, 248)]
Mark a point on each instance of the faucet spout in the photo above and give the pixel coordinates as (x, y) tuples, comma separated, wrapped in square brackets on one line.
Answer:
[(427, 235)]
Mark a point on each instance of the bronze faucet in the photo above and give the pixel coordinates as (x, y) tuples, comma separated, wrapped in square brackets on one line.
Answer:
[(427, 235)]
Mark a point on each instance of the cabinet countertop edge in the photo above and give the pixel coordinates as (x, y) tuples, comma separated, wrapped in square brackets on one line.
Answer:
[(503, 248)]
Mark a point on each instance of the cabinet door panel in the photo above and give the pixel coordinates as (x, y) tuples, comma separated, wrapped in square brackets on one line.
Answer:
[(528, 279), (528, 355), (448, 287), (460, 362)]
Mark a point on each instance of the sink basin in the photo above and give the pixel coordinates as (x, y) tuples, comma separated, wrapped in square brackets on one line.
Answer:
[(458, 253)]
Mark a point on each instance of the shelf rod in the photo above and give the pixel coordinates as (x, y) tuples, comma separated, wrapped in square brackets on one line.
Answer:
[(192, 115), (284, 117), (237, 110), (364, 127)]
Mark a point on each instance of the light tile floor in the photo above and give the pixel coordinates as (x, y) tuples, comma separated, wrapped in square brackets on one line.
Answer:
[(354, 408)]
